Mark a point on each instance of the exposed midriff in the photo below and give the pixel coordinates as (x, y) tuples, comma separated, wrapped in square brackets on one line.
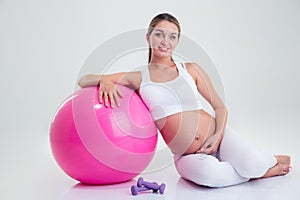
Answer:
[(185, 132)]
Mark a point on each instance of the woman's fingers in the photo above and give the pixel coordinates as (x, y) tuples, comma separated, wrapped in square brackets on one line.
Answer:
[(112, 100), (207, 148), (116, 98), (210, 146), (105, 99), (117, 95), (112, 97), (100, 96), (119, 92)]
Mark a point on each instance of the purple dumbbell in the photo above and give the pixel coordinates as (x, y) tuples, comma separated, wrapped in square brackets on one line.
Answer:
[(154, 185), (135, 190)]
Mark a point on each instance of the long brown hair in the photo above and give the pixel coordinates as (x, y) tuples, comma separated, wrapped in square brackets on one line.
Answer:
[(158, 18)]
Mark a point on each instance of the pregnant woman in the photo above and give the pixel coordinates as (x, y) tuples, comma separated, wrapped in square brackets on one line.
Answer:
[(206, 151)]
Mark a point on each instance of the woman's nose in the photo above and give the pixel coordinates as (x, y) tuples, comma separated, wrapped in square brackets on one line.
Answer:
[(164, 40)]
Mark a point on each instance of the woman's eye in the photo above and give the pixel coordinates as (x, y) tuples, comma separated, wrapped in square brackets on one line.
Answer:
[(158, 34), (173, 37)]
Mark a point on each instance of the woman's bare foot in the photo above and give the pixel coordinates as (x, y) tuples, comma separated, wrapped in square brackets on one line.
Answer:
[(282, 167), (283, 159)]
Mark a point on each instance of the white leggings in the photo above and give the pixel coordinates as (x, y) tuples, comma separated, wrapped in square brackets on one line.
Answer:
[(235, 162)]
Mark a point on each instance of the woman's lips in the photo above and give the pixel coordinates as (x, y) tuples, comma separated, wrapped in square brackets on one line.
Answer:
[(163, 49)]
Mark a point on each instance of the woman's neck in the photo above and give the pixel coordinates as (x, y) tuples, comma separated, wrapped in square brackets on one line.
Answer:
[(162, 61)]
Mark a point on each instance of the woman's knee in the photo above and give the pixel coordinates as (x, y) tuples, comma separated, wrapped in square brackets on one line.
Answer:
[(245, 157)]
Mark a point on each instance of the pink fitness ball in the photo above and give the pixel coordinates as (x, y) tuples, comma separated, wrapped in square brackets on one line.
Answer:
[(95, 144)]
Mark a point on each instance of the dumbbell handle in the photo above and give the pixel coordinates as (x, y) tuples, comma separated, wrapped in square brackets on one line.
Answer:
[(135, 190), (153, 185)]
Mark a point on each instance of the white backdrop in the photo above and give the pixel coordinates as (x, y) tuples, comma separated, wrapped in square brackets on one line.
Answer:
[(255, 46)]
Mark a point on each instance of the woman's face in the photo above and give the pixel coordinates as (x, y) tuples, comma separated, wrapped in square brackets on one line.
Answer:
[(163, 39)]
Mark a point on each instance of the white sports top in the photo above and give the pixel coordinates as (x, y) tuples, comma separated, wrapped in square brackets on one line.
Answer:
[(170, 97)]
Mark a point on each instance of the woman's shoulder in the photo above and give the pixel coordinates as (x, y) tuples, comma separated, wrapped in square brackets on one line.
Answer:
[(195, 70), (192, 67), (139, 69)]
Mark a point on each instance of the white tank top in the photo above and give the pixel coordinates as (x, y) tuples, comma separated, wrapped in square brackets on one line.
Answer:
[(170, 97)]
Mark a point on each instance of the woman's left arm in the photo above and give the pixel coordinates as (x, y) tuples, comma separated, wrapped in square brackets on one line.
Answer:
[(207, 90)]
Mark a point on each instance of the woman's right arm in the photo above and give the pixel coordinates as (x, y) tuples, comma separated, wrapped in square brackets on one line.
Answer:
[(108, 89)]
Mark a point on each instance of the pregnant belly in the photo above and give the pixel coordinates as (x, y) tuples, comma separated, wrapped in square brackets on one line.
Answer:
[(185, 132)]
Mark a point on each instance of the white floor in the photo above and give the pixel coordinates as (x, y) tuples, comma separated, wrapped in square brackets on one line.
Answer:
[(28, 171), (177, 188)]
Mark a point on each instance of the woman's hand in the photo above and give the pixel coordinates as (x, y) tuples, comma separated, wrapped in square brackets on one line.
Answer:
[(211, 145), (109, 91)]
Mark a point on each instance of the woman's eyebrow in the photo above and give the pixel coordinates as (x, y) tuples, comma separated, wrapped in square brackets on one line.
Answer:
[(160, 30)]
